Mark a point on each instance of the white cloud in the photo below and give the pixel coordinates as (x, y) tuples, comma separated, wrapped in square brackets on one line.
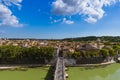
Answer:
[(67, 21), (91, 20), (55, 21), (10, 2), (63, 21), (6, 16), (93, 9)]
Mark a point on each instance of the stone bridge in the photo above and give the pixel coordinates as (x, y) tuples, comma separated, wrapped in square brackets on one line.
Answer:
[(60, 73)]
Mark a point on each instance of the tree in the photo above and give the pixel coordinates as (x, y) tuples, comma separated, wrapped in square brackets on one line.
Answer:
[(104, 53), (69, 54), (76, 55), (112, 52), (83, 53), (15, 54)]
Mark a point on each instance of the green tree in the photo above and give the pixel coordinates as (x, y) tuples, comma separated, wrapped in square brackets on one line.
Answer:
[(76, 55), (112, 52), (104, 53), (83, 54)]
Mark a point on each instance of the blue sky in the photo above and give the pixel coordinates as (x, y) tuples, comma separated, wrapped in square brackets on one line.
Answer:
[(50, 19)]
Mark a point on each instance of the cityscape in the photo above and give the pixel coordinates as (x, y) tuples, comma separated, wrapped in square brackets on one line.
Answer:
[(59, 40)]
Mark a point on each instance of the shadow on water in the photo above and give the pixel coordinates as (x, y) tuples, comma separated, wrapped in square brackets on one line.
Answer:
[(50, 73)]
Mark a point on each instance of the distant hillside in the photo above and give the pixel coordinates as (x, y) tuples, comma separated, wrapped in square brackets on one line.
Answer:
[(32, 39), (94, 38), (89, 38)]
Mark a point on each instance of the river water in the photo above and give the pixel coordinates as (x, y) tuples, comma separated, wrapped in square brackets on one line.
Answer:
[(110, 72)]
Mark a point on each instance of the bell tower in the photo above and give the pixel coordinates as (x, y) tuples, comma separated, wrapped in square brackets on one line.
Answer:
[(98, 43)]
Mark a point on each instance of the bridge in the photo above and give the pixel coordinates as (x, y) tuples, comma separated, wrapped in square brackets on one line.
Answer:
[(60, 73), (60, 69)]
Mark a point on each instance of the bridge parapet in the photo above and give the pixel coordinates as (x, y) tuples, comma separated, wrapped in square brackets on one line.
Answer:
[(60, 69)]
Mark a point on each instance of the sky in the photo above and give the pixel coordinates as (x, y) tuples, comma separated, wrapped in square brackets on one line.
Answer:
[(57, 19)]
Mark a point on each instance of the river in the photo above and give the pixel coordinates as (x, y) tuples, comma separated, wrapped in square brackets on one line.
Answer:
[(110, 72)]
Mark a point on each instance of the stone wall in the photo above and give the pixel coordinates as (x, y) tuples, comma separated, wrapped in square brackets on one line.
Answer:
[(94, 60)]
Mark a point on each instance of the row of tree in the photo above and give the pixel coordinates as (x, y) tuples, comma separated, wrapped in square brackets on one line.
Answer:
[(20, 55), (104, 53), (93, 57), (107, 51)]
